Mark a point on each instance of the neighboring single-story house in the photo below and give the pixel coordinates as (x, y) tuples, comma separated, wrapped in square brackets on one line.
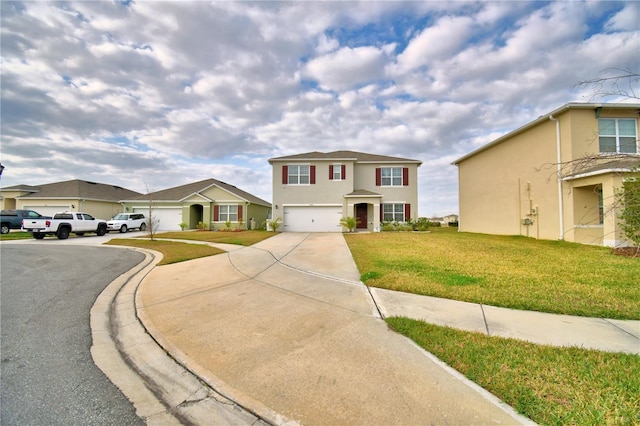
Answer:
[(314, 190), (444, 220), (98, 199), (554, 178), (210, 204)]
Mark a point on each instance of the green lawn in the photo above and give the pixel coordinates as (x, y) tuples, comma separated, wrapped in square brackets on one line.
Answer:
[(243, 238), (16, 235), (179, 252), (172, 251), (551, 386), (513, 272)]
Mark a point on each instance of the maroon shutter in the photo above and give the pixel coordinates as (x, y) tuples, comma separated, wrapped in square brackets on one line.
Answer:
[(216, 213), (407, 212), (381, 213), (343, 172), (378, 177), (240, 213), (312, 178), (405, 176), (330, 171), (285, 175)]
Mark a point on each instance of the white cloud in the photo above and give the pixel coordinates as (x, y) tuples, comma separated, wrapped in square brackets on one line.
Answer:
[(435, 43), (347, 67), (175, 92)]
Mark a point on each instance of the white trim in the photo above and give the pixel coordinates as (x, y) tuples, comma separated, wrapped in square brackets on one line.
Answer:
[(182, 200), (596, 173)]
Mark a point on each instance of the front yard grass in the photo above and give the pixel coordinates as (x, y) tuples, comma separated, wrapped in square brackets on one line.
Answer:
[(551, 386), (243, 238), (172, 251), (512, 272)]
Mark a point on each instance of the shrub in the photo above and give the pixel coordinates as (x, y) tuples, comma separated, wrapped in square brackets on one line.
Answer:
[(350, 223)]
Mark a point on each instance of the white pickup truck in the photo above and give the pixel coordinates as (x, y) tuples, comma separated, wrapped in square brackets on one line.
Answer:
[(65, 223)]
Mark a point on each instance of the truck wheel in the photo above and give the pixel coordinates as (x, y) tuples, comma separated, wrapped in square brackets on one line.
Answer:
[(38, 235), (123, 229), (102, 229), (143, 227), (4, 229), (63, 233)]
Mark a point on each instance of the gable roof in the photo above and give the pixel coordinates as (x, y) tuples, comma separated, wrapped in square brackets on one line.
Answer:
[(179, 193), (546, 117), (360, 157), (76, 189)]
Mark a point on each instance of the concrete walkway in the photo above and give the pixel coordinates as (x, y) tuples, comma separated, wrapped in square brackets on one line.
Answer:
[(286, 330)]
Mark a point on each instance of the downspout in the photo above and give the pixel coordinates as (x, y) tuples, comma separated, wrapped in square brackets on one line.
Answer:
[(559, 164)]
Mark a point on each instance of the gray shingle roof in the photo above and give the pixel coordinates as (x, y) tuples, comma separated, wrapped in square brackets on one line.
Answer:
[(80, 189), (345, 155), (179, 193)]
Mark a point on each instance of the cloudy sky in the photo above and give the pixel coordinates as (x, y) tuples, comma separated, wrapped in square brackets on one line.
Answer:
[(150, 95)]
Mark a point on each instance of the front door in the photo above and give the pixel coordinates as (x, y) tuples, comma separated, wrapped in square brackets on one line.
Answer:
[(361, 215)]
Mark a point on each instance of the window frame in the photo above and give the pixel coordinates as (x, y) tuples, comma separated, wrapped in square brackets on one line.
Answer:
[(391, 179), (299, 175), (394, 212), (337, 172), (616, 135), (224, 214)]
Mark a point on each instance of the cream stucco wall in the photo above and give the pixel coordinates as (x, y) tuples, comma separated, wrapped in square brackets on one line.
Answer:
[(516, 180), (499, 187)]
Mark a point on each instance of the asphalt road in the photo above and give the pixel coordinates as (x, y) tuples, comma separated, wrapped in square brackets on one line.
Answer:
[(47, 374)]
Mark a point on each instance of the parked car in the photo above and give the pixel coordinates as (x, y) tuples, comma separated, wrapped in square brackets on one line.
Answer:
[(124, 221), (12, 219), (63, 224)]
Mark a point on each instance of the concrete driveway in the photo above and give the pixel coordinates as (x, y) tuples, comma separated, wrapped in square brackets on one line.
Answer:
[(286, 329)]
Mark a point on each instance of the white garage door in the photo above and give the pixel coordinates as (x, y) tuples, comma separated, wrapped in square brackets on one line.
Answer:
[(166, 219), (48, 210), (312, 219)]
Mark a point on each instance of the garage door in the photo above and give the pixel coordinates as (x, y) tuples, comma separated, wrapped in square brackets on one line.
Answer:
[(166, 219), (312, 219), (48, 210)]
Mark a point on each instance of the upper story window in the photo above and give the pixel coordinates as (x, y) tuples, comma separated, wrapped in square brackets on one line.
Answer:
[(298, 175), (337, 172), (392, 176), (618, 135)]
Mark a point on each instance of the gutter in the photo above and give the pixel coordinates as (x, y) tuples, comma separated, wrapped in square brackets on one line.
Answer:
[(559, 164)]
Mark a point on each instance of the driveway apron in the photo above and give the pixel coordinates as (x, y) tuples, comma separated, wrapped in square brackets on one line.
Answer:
[(286, 329)]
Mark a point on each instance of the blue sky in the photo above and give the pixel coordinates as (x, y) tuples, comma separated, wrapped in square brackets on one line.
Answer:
[(150, 95)]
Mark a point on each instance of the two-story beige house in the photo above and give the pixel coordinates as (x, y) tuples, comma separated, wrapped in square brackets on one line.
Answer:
[(313, 191), (554, 178)]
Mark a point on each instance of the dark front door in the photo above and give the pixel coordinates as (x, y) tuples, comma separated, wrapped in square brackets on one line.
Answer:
[(361, 214)]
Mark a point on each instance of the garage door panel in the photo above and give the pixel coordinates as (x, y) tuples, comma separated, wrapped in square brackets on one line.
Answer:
[(312, 219), (166, 219)]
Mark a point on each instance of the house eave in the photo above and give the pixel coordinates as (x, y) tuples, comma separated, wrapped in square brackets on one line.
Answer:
[(596, 173), (541, 119)]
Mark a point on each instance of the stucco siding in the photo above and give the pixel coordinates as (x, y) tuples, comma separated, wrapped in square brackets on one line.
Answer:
[(500, 187)]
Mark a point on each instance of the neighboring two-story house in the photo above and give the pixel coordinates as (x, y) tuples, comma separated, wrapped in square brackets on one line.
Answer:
[(554, 178), (313, 191)]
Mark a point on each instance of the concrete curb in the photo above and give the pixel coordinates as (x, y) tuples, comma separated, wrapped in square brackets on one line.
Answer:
[(162, 391)]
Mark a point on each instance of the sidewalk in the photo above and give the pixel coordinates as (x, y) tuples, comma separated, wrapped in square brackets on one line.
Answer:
[(286, 329)]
